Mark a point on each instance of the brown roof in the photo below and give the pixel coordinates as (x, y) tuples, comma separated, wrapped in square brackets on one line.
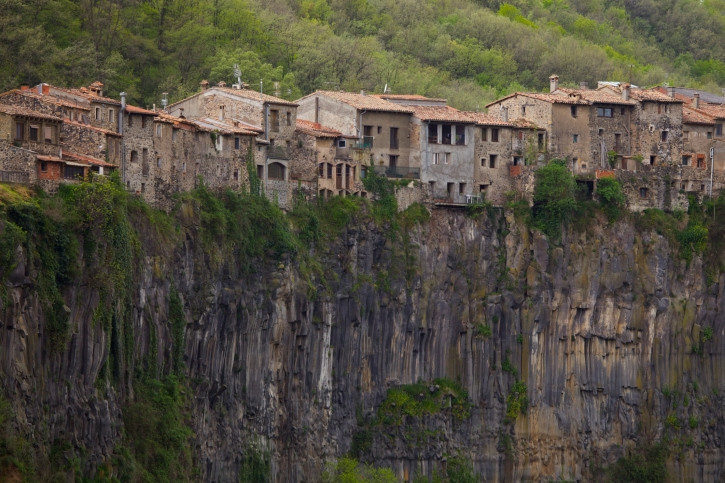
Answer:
[(441, 113), (572, 96), (409, 97), (692, 116), (87, 94), (44, 157), (245, 93), (139, 110), (483, 119), (46, 98), (22, 111), (316, 129), (225, 127), (92, 128), (89, 159), (715, 110), (648, 95), (169, 119), (363, 102)]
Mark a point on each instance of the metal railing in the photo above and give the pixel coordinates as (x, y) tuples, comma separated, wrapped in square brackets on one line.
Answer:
[(14, 177), (398, 172), (366, 143)]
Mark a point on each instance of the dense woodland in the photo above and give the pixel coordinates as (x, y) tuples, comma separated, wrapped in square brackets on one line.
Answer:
[(467, 51)]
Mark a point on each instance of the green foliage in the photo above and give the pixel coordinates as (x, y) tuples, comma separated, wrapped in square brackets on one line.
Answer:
[(415, 214), (707, 334), (647, 464), (483, 331), (11, 237), (672, 421), (16, 453), (348, 470), (157, 431), (693, 239), (416, 400), (255, 466), (460, 470), (554, 198), (382, 190), (612, 158), (611, 198), (517, 401)]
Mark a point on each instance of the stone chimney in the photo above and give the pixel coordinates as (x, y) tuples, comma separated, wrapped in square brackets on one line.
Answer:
[(362, 92), (583, 85), (123, 100), (221, 112), (671, 92), (625, 91), (204, 85), (221, 84), (553, 83), (696, 101)]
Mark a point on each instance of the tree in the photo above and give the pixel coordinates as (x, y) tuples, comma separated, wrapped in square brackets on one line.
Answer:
[(554, 197)]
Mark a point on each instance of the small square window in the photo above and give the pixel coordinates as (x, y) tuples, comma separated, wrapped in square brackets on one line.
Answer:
[(575, 138), (643, 192), (34, 132), (341, 143)]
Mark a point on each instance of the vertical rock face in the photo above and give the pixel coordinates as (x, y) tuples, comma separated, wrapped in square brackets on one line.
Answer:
[(617, 342)]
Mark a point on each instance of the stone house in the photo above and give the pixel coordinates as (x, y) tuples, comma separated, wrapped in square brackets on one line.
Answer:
[(103, 112), (381, 127), (656, 126), (501, 149), (583, 125), (271, 118), (39, 99), (325, 160)]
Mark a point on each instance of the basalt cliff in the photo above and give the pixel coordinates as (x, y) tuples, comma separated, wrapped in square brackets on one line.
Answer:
[(456, 338)]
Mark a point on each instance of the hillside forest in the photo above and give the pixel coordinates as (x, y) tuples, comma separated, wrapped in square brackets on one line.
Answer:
[(468, 51)]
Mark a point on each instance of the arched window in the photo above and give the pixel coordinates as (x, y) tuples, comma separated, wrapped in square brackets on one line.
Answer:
[(275, 171)]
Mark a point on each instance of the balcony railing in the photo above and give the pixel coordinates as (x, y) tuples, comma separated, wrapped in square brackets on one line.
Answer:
[(366, 143), (398, 172)]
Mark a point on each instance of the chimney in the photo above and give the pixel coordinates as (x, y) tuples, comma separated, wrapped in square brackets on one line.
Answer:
[(625, 91), (221, 84), (24, 88), (40, 88), (221, 112), (671, 92), (696, 101), (181, 113), (123, 100), (362, 93), (204, 85), (583, 85), (553, 83)]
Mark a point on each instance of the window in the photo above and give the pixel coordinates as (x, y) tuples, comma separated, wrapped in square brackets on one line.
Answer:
[(134, 156), (667, 108), (686, 160), (329, 171), (446, 134), (461, 188), (143, 121), (573, 111), (436, 158), (575, 138), (393, 160), (218, 142), (700, 160), (432, 133), (541, 141), (19, 131), (111, 119), (143, 187), (393, 138), (484, 134), (98, 113), (664, 136), (460, 134), (482, 188), (367, 131), (494, 135), (321, 170), (289, 118), (446, 158), (523, 110), (237, 143), (34, 132), (652, 160), (158, 162), (518, 160), (718, 130), (601, 132), (604, 112), (72, 172), (702, 187), (342, 143), (236, 175), (276, 171), (449, 188), (158, 130), (274, 120), (709, 135), (380, 129), (183, 167), (174, 132), (43, 166), (617, 142), (492, 158), (643, 192)]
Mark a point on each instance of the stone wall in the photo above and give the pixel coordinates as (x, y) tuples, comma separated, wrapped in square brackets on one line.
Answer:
[(652, 119), (17, 165)]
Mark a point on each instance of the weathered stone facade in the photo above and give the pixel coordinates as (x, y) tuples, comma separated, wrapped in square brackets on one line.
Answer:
[(17, 165)]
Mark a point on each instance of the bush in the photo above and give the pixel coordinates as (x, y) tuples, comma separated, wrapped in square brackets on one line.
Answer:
[(517, 402), (554, 197), (693, 239), (611, 198), (648, 464)]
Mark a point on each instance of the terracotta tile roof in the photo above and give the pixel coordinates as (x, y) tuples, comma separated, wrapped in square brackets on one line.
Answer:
[(87, 94), (483, 119), (46, 99), (247, 126), (363, 102), (139, 110), (408, 97), (441, 113), (571, 96), (592, 96), (316, 129), (87, 159), (692, 116), (22, 111), (169, 119), (715, 110), (244, 93), (651, 95), (92, 128), (547, 97), (211, 124)]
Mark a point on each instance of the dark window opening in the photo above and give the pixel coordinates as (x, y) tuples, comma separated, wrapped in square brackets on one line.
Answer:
[(393, 138), (43, 166), (718, 130), (492, 158), (34, 132), (604, 112), (494, 135), (19, 131), (393, 160), (686, 160), (541, 141), (276, 171), (484, 134), (460, 134), (446, 134), (573, 111), (664, 135), (652, 160), (643, 192), (274, 120)]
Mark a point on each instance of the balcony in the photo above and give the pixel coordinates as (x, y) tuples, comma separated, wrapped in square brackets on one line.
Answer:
[(366, 143), (402, 172)]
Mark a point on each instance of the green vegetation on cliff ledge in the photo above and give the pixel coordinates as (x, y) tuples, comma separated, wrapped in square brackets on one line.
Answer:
[(417, 400)]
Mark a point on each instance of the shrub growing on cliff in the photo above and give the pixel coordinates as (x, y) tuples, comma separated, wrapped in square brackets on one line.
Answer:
[(348, 470), (693, 239), (611, 198), (385, 206), (647, 464), (554, 197)]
